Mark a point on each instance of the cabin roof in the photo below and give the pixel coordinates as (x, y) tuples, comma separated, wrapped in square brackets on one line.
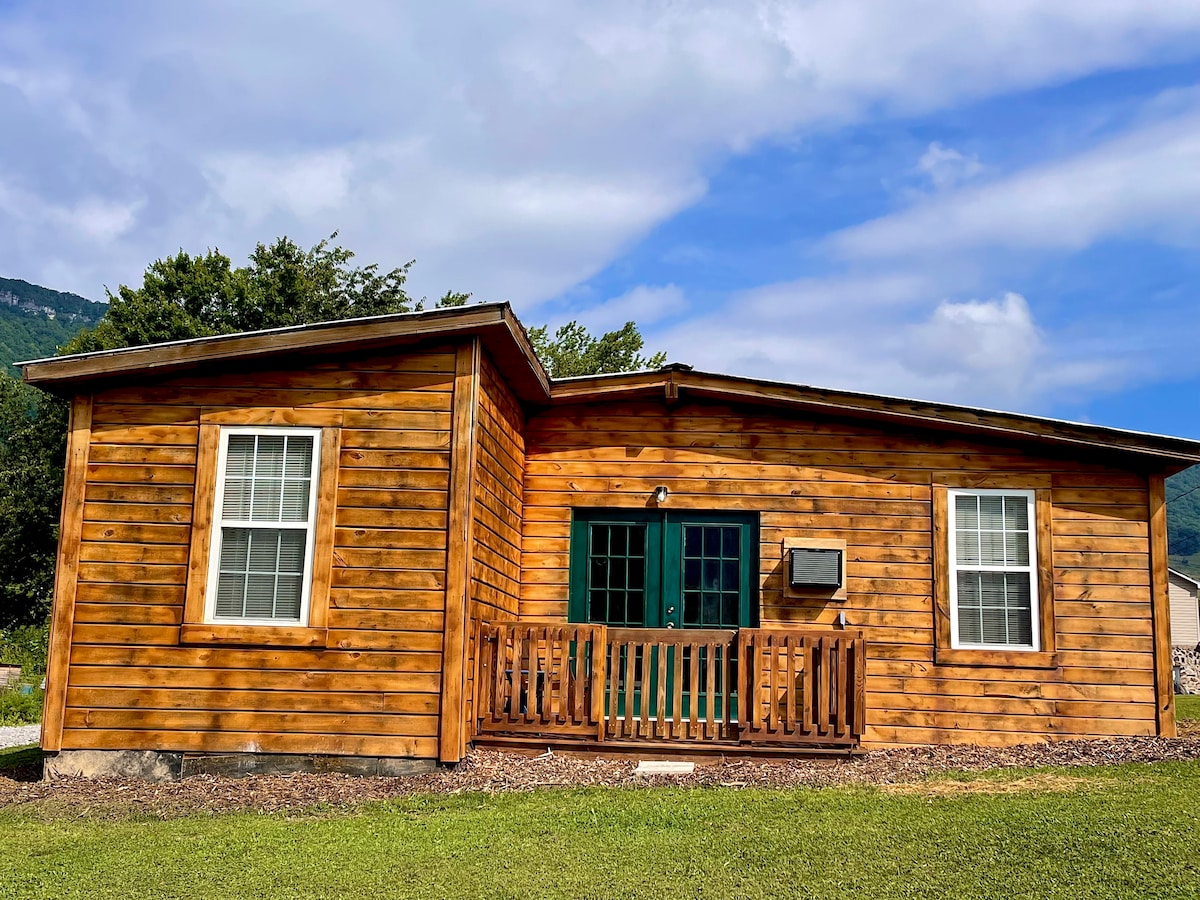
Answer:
[(503, 335), (1188, 578)]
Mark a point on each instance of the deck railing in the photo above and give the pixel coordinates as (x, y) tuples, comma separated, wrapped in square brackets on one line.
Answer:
[(589, 682)]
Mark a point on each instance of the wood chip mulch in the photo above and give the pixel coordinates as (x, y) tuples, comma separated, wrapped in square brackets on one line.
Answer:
[(494, 771)]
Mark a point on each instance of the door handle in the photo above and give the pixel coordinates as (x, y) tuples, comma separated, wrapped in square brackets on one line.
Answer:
[(670, 624), (670, 609)]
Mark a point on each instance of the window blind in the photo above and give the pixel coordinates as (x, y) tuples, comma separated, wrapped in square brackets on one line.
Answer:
[(265, 527), (992, 569)]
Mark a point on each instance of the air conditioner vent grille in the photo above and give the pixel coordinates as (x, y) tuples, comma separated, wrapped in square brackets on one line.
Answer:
[(816, 568)]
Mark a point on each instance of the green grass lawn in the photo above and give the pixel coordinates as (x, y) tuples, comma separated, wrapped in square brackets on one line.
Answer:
[(1187, 706), (1126, 831)]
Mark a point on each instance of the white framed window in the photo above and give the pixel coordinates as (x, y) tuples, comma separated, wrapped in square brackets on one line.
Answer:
[(264, 519), (993, 570)]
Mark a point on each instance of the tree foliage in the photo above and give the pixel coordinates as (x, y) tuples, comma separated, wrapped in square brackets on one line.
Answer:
[(575, 351), (185, 296), (32, 448)]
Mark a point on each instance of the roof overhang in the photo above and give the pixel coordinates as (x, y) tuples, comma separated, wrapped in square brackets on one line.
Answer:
[(1188, 578), (670, 381), (493, 323), (505, 338)]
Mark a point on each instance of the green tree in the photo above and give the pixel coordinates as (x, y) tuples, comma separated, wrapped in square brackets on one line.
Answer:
[(185, 296), (32, 448), (575, 351)]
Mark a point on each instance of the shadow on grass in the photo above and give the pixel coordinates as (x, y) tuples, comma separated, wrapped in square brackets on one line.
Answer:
[(21, 763)]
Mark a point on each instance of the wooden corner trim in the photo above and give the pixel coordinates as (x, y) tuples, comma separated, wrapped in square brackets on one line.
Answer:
[(66, 574), (465, 404), (1160, 610)]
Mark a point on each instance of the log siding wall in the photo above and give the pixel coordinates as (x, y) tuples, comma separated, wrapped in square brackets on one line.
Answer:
[(499, 470), (825, 478), (375, 690)]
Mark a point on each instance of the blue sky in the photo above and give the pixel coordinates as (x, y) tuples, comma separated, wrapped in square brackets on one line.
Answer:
[(995, 203)]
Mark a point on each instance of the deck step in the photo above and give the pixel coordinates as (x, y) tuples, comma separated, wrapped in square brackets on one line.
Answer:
[(648, 767)]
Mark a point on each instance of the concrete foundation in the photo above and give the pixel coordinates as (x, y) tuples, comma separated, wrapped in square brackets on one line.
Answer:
[(158, 766), (235, 765), (144, 765)]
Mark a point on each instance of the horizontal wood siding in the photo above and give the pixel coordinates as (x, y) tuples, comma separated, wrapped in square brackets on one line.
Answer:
[(499, 467), (375, 690), (499, 470), (871, 486)]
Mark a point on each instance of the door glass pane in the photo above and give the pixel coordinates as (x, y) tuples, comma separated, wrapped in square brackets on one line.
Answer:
[(713, 552), (616, 573)]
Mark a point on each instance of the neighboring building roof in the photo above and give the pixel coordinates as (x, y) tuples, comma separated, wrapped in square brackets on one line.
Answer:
[(505, 338), (1187, 578)]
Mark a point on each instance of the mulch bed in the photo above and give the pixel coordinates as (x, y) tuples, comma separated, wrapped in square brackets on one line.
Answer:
[(494, 771)]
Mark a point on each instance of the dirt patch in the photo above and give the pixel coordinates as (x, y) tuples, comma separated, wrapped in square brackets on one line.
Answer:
[(494, 772), (1030, 784)]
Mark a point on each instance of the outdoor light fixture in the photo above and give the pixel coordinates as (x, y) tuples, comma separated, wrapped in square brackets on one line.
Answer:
[(660, 494)]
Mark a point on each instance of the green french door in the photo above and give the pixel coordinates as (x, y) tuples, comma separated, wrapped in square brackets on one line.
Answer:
[(687, 570)]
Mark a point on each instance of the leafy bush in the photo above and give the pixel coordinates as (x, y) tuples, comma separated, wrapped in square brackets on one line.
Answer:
[(17, 708), (26, 646)]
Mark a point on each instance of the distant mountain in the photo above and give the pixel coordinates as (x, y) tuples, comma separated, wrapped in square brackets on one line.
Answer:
[(35, 321), (1183, 521)]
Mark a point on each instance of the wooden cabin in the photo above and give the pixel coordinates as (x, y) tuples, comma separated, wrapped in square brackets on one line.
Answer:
[(395, 538)]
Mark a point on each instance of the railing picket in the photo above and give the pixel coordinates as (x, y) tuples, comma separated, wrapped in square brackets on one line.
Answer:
[(823, 694), (613, 684), (845, 689), (773, 703), (678, 732), (583, 642), (661, 718), (859, 694), (789, 721), (744, 680)]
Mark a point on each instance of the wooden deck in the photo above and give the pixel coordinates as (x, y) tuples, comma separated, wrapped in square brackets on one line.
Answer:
[(753, 687)]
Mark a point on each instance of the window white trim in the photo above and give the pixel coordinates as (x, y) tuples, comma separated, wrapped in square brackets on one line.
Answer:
[(219, 523), (1031, 569)]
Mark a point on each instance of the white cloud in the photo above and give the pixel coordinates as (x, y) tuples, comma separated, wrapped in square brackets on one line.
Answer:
[(305, 186), (947, 167), (1143, 183), (644, 304), (993, 345), (888, 333), (514, 150)]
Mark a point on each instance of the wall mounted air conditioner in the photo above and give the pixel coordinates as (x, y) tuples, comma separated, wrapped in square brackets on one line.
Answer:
[(813, 568)]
